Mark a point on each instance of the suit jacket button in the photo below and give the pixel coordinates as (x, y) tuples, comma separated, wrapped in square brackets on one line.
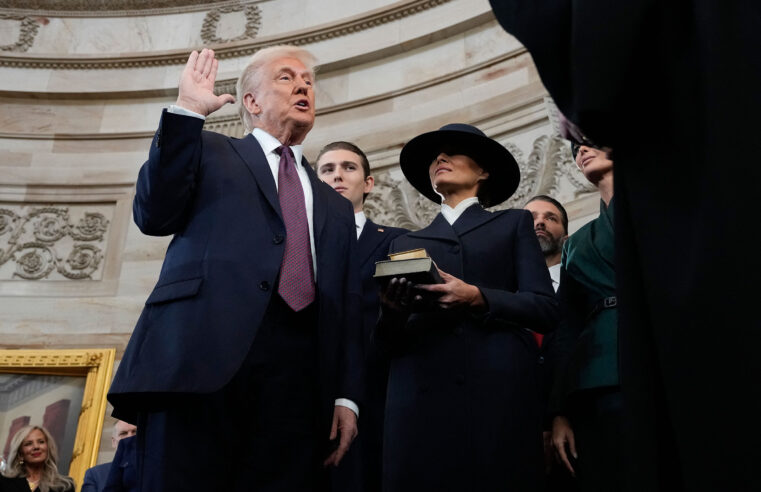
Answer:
[(458, 331), (541, 359), (456, 249), (459, 379), (264, 285), (277, 238)]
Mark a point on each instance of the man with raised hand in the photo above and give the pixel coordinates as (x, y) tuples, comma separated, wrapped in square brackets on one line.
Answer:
[(251, 335)]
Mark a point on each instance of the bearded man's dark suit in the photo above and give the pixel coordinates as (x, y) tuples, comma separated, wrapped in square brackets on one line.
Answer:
[(219, 279), (673, 89), (463, 410)]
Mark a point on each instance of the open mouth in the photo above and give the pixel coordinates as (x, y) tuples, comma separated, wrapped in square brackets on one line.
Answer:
[(302, 104)]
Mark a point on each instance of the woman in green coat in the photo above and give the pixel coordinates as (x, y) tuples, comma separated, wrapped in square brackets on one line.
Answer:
[(586, 397)]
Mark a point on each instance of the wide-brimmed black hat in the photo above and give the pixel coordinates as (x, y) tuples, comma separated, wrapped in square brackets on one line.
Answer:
[(459, 138)]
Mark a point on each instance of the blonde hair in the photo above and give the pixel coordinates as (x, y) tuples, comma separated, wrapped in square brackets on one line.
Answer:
[(251, 77), (50, 480)]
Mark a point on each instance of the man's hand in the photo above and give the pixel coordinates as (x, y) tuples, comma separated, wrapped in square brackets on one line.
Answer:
[(454, 293), (196, 90), (562, 434), (345, 427)]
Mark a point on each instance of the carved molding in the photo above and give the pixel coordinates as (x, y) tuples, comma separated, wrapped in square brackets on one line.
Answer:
[(31, 238), (211, 23), (233, 49), (113, 8), (548, 167), (27, 32)]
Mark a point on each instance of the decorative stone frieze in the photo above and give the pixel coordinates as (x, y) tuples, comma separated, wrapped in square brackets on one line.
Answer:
[(108, 8), (27, 31), (209, 30), (233, 49), (43, 242)]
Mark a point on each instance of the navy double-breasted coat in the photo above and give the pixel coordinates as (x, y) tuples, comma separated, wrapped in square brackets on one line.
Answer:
[(463, 409)]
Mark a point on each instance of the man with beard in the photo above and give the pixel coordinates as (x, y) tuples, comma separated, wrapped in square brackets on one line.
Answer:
[(551, 227)]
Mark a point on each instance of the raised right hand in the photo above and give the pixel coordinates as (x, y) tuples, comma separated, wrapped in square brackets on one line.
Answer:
[(196, 90)]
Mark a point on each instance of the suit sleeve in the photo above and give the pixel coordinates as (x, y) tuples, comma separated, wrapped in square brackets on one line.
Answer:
[(352, 373), (88, 484), (533, 305), (166, 182), (572, 301)]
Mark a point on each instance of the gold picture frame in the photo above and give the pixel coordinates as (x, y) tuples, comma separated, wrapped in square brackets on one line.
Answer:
[(96, 366)]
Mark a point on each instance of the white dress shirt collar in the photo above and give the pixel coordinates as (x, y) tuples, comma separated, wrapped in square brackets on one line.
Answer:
[(555, 276), (452, 214), (360, 220), (270, 143)]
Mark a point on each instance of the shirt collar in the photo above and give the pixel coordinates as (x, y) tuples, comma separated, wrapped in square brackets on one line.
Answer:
[(270, 143), (452, 214), (360, 220)]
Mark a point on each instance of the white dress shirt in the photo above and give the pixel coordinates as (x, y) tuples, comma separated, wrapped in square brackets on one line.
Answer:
[(555, 275), (452, 214), (360, 220), (268, 144)]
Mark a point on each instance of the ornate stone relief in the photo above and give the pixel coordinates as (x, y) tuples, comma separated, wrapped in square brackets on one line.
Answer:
[(210, 26), (234, 50), (549, 169), (27, 33), (45, 242), (103, 8)]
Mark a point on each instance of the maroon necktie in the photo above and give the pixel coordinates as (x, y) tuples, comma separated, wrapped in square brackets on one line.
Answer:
[(296, 285)]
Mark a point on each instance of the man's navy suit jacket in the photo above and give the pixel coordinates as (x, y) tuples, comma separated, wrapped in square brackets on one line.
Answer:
[(95, 478), (373, 246), (123, 475), (217, 196)]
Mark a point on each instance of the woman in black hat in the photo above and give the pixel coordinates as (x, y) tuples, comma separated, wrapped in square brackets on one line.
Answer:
[(462, 411)]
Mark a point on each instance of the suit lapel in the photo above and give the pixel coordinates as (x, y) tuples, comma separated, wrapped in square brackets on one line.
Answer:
[(252, 154), (473, 217), (439, 229), (319, 205), (368, 241)]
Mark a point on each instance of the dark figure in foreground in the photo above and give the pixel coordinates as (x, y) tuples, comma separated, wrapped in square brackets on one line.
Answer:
[(463, 410), (672, 87)]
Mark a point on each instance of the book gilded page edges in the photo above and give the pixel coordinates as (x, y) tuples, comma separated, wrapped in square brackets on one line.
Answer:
[(409, 254)]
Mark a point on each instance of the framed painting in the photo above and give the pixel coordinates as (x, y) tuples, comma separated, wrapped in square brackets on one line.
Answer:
[(61, 390)]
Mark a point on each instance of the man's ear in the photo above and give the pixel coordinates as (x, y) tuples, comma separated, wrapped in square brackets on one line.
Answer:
[(483, 176), (249, 102), (369, 184)]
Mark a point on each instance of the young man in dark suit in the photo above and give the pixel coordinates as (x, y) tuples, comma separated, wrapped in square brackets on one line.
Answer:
[(346, 169), (252, 333)]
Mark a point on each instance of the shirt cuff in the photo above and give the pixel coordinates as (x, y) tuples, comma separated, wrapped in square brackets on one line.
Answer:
[(345, 402), (174, 109)]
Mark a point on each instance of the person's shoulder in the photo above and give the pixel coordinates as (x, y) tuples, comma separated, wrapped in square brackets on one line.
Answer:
[(388, 231)]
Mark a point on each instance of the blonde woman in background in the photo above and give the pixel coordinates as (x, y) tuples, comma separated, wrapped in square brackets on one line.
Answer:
[(32, 463)]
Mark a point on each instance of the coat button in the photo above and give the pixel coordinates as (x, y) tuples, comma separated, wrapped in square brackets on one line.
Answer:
[(458, 331), (456, 249), (541, 359), (459, 379), (264, 285), (277, 238)]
